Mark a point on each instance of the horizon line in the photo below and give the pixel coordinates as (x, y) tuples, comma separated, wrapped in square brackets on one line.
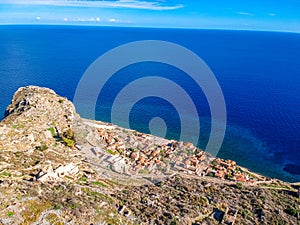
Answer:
[(148, 27)]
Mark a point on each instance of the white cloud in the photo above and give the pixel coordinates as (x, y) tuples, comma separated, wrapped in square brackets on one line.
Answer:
[(271, 14), (133, 4), (245, 13), (113, 20), (98, 20)]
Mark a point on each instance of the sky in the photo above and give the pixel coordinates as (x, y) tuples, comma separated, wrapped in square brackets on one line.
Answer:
[(273, 15)]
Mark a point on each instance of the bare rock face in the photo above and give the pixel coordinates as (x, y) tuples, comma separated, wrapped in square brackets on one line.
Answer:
[(37, 133), (44, 179), (40, 105)]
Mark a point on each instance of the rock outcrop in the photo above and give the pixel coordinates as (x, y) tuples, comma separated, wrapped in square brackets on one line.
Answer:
[(44, 179)]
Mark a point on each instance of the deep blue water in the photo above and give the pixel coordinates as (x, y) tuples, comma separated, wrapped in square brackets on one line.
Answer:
[(259, 73)]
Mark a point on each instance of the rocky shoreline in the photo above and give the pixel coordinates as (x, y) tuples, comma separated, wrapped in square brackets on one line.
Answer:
[(58, 168)]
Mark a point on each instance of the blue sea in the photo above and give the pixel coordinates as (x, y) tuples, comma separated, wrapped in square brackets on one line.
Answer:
[(258, 72)]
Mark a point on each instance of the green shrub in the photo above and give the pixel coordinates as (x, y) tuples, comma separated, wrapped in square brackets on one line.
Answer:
[(228, 176), (292, 211), (68, 142), (244, 213), (110, 151), (10, 214), (57, 207), (239, 169), (239, 185), (4, 174), (52, 130), (174, 221), (69, 134), (84, 179)]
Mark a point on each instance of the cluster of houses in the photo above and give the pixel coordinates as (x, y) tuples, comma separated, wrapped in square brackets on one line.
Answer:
[(150, 156), (111, 143), (147, 156), (226, 169), (223, 169)]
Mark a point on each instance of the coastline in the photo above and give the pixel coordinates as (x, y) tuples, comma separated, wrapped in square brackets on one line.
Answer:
[(208, 166), (271, 174), (56, 166)]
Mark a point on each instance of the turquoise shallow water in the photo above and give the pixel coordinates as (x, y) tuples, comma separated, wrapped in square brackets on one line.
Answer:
[(259, 73)]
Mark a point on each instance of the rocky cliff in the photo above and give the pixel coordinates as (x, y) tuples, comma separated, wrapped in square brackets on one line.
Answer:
[(57, 168)]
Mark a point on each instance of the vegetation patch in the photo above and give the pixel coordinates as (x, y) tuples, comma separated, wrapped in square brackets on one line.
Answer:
[(33, 210), (292, 211), (83, 179), (18, 126), (144, 171), (274, 186), (10, 214), (111, 152), (98, 183), (68, 142), (5, 174), (53, 219), (239, 185), (53, 132)]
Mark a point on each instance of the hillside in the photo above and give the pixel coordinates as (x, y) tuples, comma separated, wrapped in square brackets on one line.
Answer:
[(58, 168)]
